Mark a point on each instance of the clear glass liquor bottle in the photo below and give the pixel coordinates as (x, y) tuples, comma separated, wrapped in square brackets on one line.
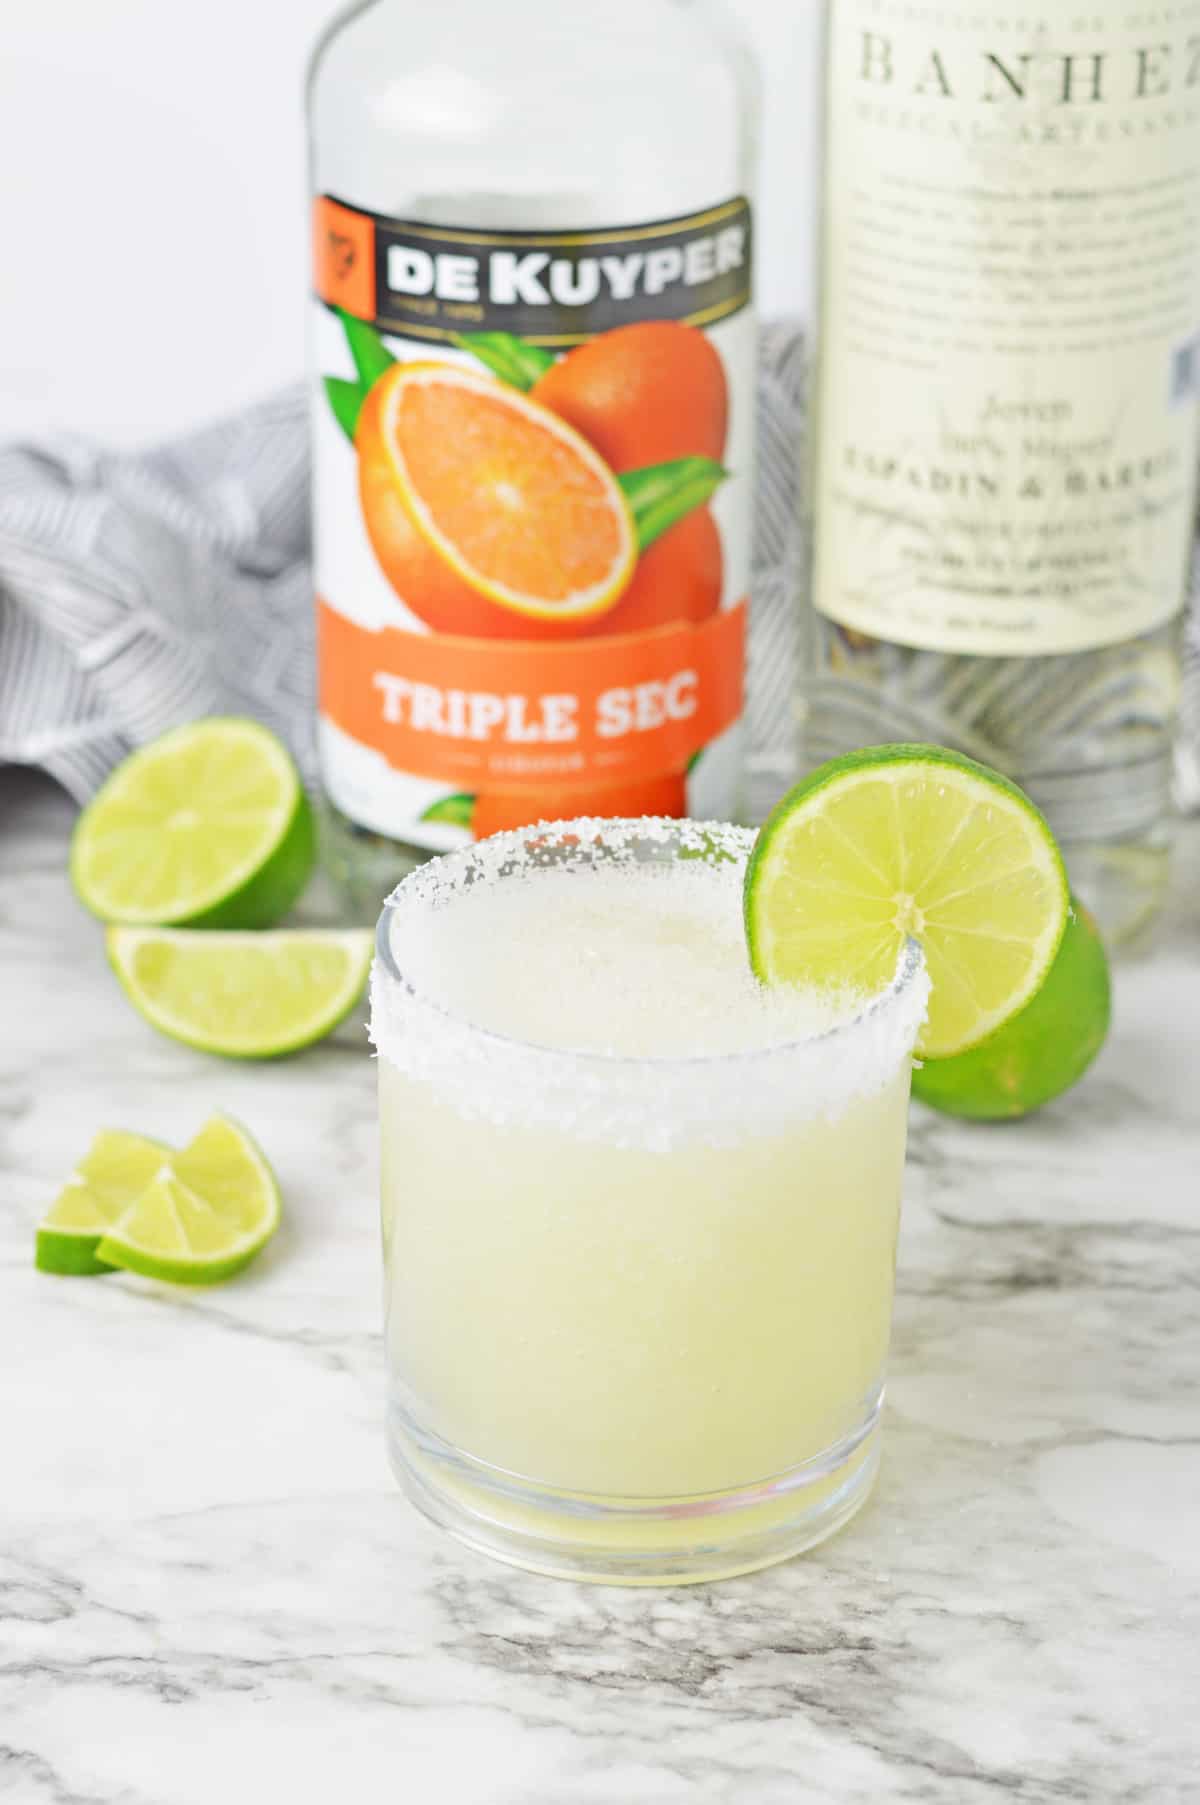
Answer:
[(530, 116), (1005, 408)]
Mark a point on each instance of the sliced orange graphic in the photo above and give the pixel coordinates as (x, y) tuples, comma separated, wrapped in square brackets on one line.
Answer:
[(490, 516)]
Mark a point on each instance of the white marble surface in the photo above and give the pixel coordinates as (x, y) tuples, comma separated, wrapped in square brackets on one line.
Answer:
[(211, 1593)]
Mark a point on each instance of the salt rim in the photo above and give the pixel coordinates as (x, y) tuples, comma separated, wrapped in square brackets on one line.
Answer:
[(652, 1102)]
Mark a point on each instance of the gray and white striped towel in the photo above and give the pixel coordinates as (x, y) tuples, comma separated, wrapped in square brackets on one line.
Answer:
[(140, 591)]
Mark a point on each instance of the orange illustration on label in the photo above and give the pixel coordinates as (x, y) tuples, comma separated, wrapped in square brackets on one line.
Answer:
[(549, 506), (480, 712)]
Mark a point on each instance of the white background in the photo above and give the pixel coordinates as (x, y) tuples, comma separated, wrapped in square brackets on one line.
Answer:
[(155, 262)]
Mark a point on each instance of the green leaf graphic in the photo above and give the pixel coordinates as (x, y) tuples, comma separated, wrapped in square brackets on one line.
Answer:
[(512, 359), (661, 494), (346, 399), (372, 359), (451, 811)]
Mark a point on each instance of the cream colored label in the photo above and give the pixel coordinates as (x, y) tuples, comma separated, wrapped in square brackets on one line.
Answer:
[(1007, 403)]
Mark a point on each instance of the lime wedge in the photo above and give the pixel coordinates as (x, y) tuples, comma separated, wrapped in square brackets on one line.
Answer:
[(247, 996), (899, 841), (205, 1215), (117, 1169), (207, 827)]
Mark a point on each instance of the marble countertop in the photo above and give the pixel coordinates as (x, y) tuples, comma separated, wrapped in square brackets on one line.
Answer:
[(210, 1591)]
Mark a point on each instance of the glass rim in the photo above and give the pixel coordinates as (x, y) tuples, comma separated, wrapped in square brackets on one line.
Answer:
[(909, 966)]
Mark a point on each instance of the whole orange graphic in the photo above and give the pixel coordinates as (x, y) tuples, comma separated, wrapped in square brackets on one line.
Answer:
[(643, 394), (664, 793), (679, 577)]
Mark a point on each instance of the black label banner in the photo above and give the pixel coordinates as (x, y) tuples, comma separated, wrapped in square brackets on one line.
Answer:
[(552, 288)]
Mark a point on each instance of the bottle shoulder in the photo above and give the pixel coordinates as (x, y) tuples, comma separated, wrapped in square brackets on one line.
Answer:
[(594, 114), (374, 39), (471, 70)]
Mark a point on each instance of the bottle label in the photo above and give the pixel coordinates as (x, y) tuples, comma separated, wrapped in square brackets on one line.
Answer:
[(1007, 402), (532, 485)]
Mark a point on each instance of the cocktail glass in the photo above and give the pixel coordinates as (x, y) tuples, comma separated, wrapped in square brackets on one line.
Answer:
[(637, 1308)]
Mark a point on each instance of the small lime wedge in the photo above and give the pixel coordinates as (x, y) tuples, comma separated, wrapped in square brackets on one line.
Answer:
[(208, 826), (118, 1167), (206, 1214), (900, 841), (246, 996), (1042, 1051)]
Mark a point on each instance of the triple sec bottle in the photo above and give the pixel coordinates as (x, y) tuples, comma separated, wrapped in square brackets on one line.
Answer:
[(533, 418)]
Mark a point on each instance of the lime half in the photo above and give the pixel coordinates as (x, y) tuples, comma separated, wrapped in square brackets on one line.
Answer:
[(117, 1169), (206, 1214), (208, 826), (1043, 1050), (247, 996), (899, 841)]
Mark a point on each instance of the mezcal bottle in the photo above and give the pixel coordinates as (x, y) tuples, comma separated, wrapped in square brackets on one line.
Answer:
[(533, 358), (1005, 411)]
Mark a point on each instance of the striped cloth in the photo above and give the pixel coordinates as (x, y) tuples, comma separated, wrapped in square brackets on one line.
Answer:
[(138, 591)]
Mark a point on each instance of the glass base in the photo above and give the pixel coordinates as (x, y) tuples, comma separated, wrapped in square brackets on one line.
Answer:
[(629, 1541)]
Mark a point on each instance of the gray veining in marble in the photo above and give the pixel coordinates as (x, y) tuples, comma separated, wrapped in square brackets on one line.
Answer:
[(210, 1592)]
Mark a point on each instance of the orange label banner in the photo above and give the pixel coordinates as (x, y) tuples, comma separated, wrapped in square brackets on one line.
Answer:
[(517, 712)]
